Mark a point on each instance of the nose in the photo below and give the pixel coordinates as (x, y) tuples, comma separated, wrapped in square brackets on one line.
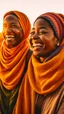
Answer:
[(34, 36)]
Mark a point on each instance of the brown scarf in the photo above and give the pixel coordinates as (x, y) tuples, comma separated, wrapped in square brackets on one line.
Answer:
[(42, 78)]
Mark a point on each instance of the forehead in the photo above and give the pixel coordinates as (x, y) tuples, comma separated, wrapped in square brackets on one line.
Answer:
[(10, 17), (41, 22)]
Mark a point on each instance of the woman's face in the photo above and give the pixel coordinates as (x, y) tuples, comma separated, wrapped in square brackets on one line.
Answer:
[(42, 39), (12, 31)]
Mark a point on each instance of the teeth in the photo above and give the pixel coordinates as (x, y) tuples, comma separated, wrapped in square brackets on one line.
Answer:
[(38, 44), (8, 36)]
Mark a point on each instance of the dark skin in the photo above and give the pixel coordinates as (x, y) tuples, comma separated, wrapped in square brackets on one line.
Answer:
[(12, 31), (42, 39)]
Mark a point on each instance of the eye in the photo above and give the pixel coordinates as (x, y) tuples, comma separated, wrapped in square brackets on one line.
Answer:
[(32, 33), (42, 32), (14, 26)]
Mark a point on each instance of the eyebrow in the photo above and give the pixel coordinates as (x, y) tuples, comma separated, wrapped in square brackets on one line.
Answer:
[(41, 27)]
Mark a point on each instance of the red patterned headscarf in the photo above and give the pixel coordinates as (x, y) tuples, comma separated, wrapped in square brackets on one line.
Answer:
[(57, 22)]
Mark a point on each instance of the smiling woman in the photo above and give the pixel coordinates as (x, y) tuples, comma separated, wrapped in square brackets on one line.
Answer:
[(13, 59)]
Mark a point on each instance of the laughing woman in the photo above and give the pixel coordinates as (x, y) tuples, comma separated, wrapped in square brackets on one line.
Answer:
[(46, 65), (13, 58)]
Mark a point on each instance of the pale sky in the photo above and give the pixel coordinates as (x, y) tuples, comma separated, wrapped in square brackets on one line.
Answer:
[(32, 8)]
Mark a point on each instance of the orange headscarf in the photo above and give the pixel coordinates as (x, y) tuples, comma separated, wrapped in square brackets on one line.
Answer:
[(1, 39), (13, 60), (42, 78)]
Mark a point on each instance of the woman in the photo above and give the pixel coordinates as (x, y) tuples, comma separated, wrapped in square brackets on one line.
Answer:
[(13, 58), (41, 91), (46, 65)]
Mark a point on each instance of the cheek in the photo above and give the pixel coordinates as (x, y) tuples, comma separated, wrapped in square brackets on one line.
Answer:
[(16, 31), (19, 34)]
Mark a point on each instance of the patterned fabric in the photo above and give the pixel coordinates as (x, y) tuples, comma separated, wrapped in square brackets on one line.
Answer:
[(57, 22)]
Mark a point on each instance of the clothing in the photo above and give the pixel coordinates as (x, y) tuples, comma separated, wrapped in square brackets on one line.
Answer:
[(8, 97), (52, 103), (1, 39), (43, 78), (57, 22), (23, 20), (13, 64)]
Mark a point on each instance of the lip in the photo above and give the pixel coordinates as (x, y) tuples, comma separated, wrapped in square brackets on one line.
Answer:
[(9, 39), (9, 36), (38, 45)]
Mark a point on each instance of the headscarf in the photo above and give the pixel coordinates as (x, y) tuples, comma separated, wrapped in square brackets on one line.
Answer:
[(13, 60), (57, 22), (24, 21), (43, 78), (1, 39)]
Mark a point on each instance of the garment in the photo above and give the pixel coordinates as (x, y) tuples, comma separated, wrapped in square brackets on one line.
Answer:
[(8, 97), (1, 39), (57, 22), (43, 78), (23, 20), (52, 103)]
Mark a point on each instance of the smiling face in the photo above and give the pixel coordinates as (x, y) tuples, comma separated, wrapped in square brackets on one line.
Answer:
[(12, 31), (42, 38)]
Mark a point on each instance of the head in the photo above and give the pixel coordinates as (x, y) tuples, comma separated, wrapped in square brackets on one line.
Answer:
[(47, 34), (16, 28)]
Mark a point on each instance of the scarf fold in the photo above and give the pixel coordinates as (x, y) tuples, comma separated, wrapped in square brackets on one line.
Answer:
[(42, 78), (12, 64), (46, 77)]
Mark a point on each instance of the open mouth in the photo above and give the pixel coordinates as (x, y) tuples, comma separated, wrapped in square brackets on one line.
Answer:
[(9, 36), (38, 45)]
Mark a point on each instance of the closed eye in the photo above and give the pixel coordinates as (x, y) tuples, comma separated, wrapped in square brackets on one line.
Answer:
[(41, 33), (32, 33)]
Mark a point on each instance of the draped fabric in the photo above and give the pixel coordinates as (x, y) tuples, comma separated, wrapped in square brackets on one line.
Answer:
[(57, 22), (43, 78), (12, 64), (12, 61), (23, 20), (47, 76), (1, 39)]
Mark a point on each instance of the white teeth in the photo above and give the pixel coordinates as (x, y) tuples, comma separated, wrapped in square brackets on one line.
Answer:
[(9, 36), (38, 44)]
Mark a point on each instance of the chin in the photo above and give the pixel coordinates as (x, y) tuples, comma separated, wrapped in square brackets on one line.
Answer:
[(36, 54)]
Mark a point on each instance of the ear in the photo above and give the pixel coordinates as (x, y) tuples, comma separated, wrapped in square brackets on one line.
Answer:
[(57, 42)]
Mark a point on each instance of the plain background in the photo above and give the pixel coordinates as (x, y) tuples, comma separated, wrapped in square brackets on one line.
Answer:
[(32, 8)]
